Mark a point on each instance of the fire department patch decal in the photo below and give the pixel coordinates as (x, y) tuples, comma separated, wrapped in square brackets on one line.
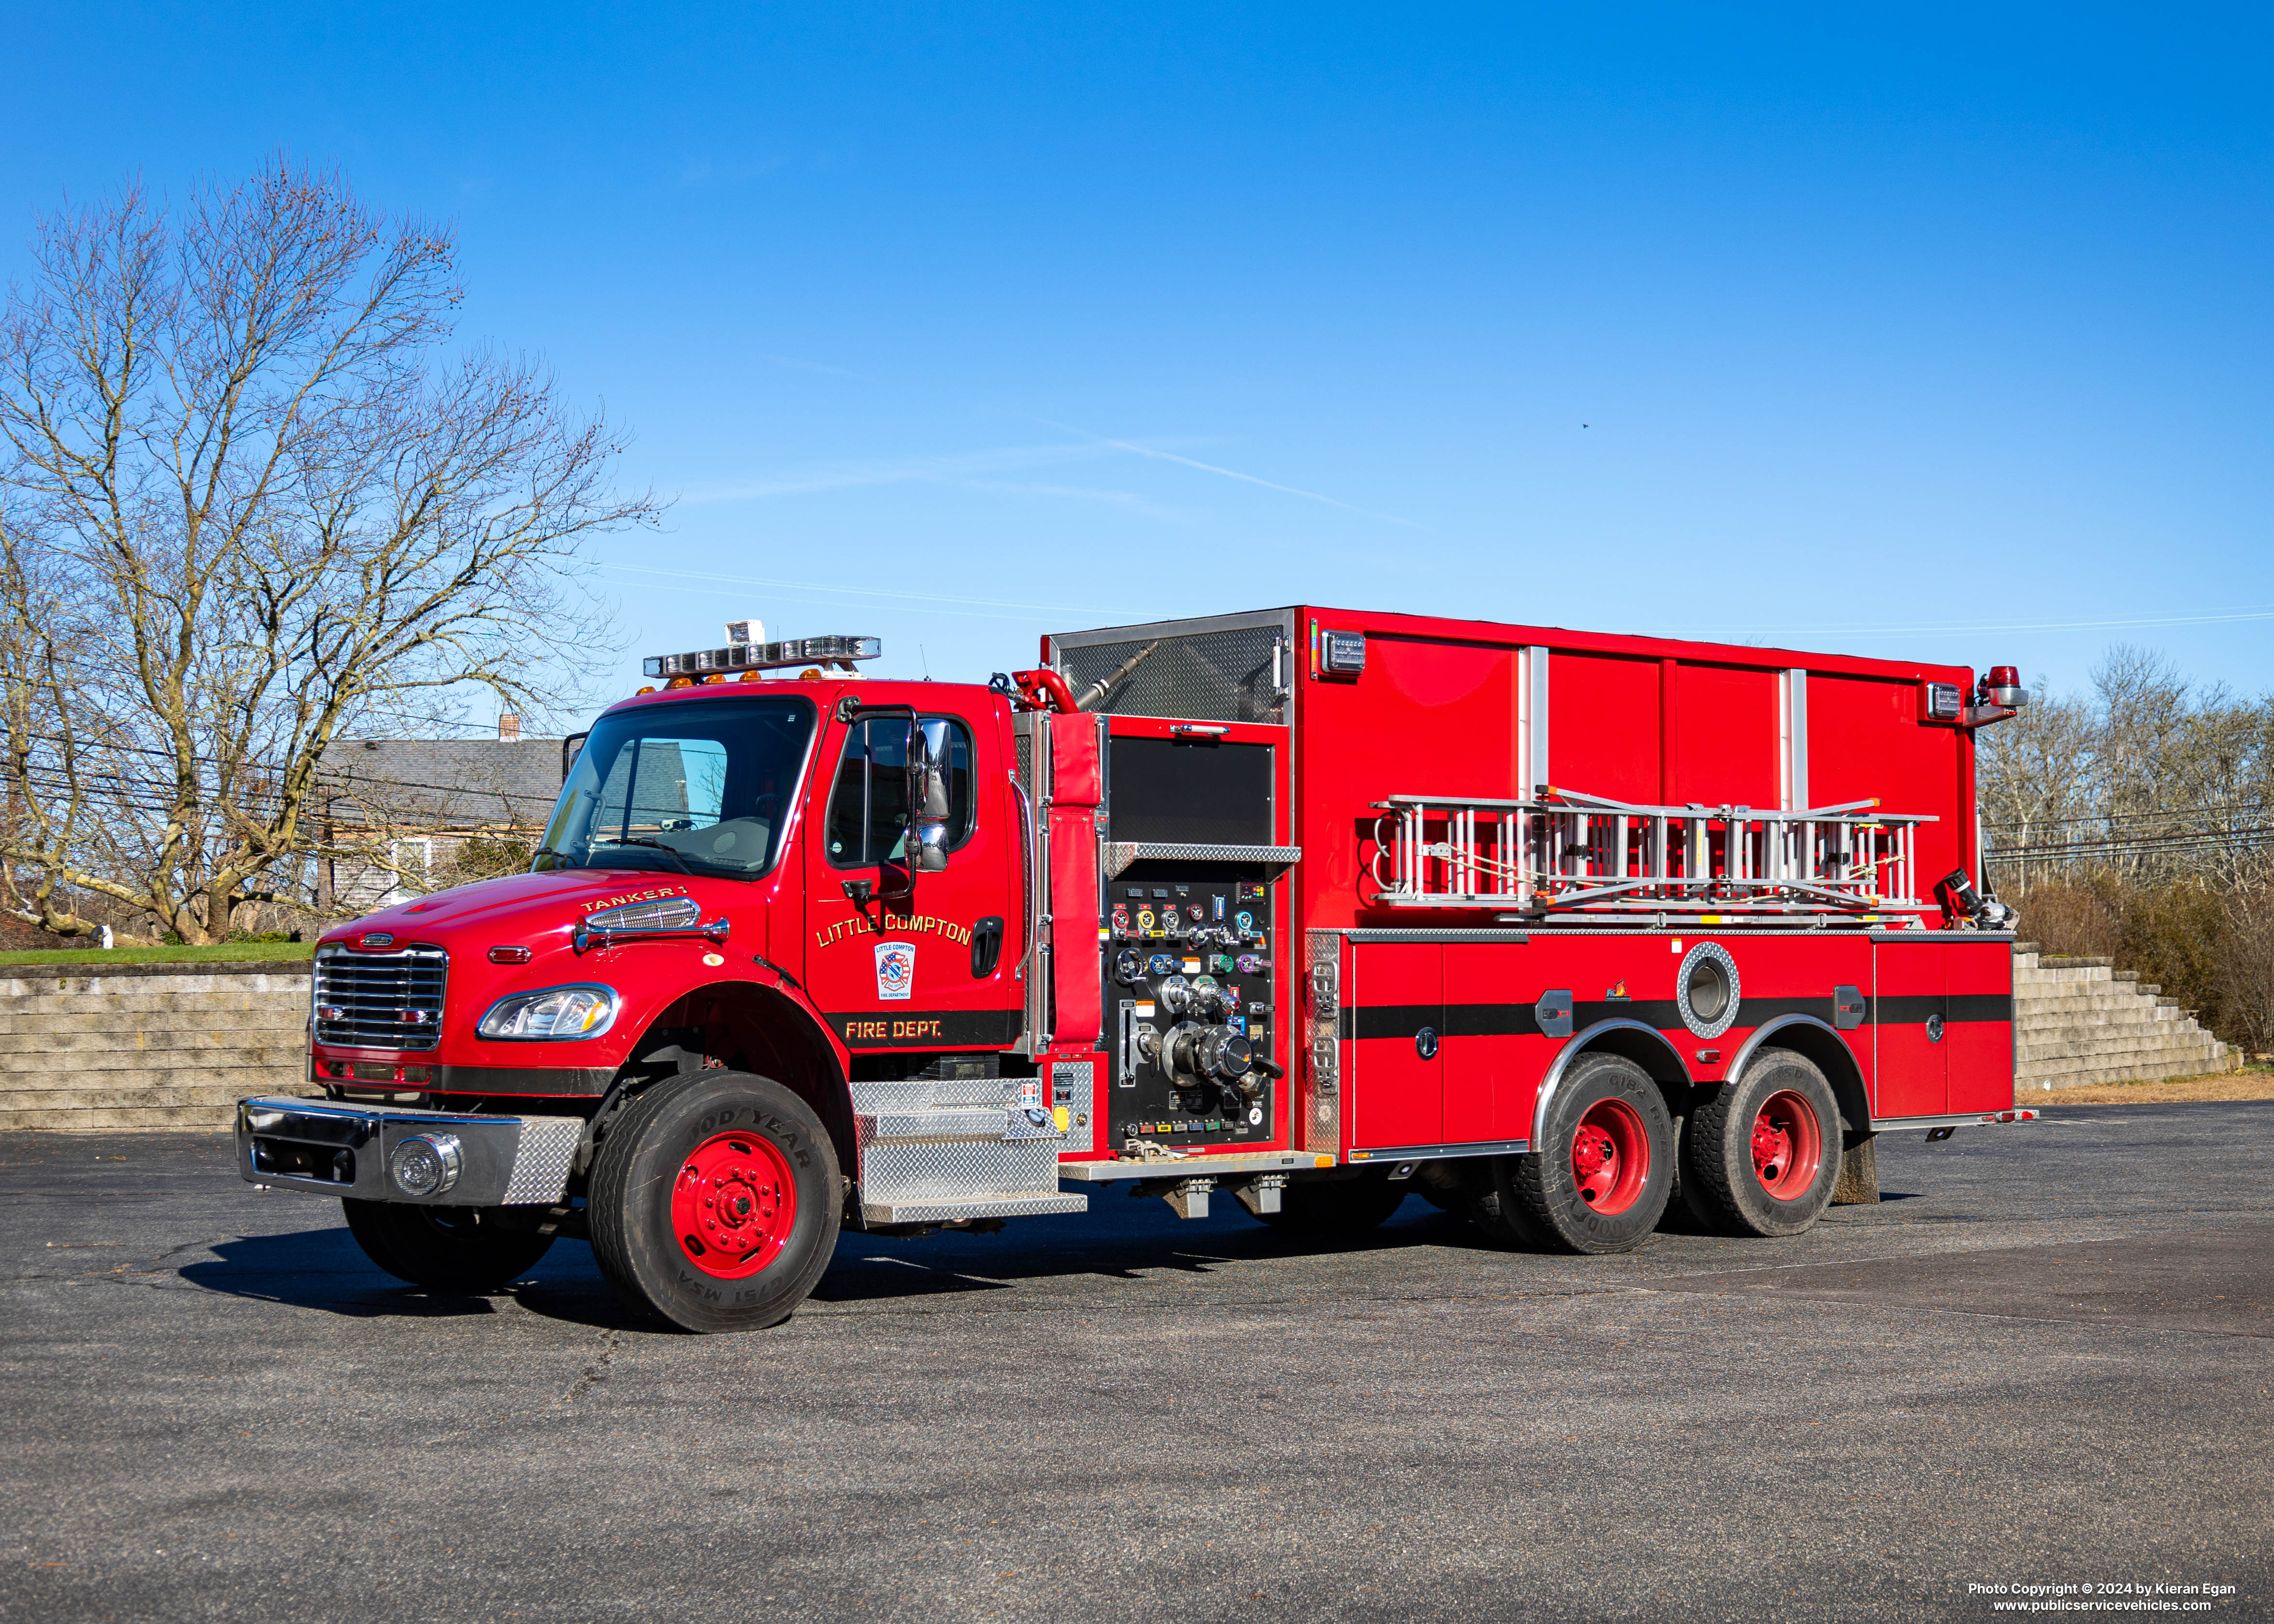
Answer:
[(896, 970)]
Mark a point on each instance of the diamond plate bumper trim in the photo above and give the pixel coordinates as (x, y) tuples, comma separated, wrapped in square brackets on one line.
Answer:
[(543, 1159), (509, 1160)]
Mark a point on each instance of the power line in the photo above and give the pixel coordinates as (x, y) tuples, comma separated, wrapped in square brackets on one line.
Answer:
[(2169, 814), (325, 773)]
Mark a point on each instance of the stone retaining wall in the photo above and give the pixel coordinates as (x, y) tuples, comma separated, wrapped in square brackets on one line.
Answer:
[(147, 1045), (2080, 1021)]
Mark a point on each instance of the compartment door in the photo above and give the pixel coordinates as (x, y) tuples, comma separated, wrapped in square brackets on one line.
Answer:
[(1393, 1009), (1979, 1035), (1490, 1034), (1910, 1028)]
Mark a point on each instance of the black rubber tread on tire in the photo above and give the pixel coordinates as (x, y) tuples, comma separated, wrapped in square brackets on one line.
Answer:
[(1447, 1197), (629, 1205), (1539, 1195), (1484, 1208), (1339, 1206), (455, 1249), (1688, 1208), (1718, 1153)]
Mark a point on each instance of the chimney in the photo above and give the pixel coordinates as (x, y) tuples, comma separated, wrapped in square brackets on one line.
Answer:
[(508, 728)]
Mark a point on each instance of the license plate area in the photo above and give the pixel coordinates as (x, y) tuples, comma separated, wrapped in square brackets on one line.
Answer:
[(326, 1164)]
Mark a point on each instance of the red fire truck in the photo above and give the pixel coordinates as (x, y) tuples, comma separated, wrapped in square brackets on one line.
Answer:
[(1311, 908)]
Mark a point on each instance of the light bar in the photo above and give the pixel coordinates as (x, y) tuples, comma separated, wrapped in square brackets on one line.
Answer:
[(763, 656)]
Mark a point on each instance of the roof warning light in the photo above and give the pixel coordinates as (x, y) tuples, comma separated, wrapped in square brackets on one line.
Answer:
[(763, 656)]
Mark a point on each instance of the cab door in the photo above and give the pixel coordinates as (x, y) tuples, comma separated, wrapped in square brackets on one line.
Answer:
[(931, 971)]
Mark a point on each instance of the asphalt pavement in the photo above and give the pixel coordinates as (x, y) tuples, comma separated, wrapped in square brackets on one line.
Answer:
[(2044, 1360)]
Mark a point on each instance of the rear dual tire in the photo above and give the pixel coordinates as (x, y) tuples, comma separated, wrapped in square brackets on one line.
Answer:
[(1762, 1154), (1600, 1177)]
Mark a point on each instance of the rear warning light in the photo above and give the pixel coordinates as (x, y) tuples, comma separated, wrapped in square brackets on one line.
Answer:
[(2003, 687), (510, 955)]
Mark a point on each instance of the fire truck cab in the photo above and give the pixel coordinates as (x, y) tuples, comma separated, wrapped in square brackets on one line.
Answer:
[(1307, 908)]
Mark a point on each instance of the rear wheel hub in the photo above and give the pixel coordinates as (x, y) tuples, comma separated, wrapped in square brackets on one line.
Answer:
[(1788, 1145), (1610, 1156)]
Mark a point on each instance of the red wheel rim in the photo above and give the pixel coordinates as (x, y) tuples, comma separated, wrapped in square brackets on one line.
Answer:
[(1610, 1156), (733, 1205), (1788, 1145)]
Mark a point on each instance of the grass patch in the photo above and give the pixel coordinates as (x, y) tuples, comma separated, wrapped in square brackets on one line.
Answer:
[(2251, 1083), (239, 951)]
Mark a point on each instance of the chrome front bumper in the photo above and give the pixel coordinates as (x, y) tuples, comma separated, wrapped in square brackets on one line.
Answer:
[(344, 1150)]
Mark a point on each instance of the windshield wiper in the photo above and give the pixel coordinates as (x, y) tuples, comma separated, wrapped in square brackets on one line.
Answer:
[(657, 845), (546, 851)]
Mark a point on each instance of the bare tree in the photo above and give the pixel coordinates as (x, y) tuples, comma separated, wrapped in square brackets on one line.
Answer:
[(2031, 775), (2150, 775), (250, 500)]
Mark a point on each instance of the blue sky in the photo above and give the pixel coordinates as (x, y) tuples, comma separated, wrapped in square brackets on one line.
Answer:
[(959, 326)]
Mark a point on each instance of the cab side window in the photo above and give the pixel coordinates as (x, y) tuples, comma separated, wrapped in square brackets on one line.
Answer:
[(869, 803)]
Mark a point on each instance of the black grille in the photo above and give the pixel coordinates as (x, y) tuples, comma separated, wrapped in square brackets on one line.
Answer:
[(1227, 676), (380, 1000)]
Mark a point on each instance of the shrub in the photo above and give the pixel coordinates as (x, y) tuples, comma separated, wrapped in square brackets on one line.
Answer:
[(2211, 947)]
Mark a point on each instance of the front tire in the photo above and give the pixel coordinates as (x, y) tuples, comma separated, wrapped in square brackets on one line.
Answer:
[(457, 1250), (1763, 1154), (715, 1202), (1600, 1179)]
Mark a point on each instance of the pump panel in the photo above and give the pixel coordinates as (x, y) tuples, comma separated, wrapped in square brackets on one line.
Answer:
[(1190, 1025)]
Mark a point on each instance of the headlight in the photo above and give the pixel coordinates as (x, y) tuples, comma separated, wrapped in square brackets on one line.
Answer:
[(555, 1014)]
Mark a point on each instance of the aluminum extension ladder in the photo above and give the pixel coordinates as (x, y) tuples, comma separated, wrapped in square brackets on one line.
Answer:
[(1570, 850)]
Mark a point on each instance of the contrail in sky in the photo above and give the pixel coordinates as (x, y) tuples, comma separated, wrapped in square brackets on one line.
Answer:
[(1230, 473)]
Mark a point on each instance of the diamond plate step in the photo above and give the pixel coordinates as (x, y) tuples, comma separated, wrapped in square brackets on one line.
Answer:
[(928, 1094), (951, 1123), (998, 1204)]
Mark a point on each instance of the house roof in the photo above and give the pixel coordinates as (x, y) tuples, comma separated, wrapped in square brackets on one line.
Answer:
[(445, 783)]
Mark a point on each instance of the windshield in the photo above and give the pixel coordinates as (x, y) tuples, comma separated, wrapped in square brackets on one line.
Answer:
[(701, 788)]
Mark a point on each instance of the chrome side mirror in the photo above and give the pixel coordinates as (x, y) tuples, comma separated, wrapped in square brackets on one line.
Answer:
[(928, 796)]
